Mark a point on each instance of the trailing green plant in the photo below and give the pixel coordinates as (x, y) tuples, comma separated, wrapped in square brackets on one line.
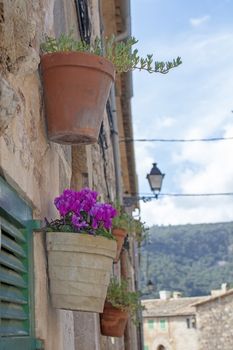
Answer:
[(121, 298), (120, 53), (122, 220), (140, 229)]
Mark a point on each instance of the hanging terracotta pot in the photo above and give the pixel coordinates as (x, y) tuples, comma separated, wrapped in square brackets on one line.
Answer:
[(79, 267), (119, 234), (76, 89), (113, 321)]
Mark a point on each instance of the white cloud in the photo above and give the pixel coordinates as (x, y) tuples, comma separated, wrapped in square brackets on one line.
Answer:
[(198, 21), (193, 101), (212, 172), (170, 211), (145, 160), (215, 173), (165, 122)]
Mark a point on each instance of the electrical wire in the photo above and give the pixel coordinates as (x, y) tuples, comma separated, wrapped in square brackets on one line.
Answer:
[(148, 197), (196, 194), (178, 140), (189, 194)]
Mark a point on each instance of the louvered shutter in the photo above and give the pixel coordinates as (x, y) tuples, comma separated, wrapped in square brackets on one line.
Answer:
[(16, 308)]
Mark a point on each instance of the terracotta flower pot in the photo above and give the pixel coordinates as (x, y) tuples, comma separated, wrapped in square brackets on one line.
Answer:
[(79, 267), (120, 235), (113, 321), (76, 88)]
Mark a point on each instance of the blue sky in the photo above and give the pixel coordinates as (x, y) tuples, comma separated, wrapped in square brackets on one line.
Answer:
[(194, 100)]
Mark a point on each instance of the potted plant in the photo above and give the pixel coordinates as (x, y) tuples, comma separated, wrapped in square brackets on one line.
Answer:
[(77, 78), (120, 227), (80, 250), (140, 230), (120, 304)]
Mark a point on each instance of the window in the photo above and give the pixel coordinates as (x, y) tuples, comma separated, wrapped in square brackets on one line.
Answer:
[(150, 324), (1, 12), (162, 324), (191, 322), (83, 20), (16, 288)]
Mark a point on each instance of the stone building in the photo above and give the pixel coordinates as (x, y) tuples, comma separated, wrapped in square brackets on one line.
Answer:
[(33, 171), (214, 320), (170, 324), (196, 323)]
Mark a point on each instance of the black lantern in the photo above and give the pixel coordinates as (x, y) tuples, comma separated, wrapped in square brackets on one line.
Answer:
[(150, 286), (155, 178)]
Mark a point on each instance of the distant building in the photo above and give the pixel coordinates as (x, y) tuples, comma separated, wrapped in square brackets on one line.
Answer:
[(215, 320), (196, 323), (170, 323)]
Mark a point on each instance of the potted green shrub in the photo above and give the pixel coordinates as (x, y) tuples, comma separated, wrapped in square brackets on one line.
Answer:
[(140, 230), (120, 227), (77, 78), (120, 304), (80, 250)]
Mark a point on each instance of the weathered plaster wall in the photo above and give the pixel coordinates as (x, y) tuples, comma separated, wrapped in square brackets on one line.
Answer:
[(37, 169), (173, 335), (214, 322), (128, 272), (55, 327)]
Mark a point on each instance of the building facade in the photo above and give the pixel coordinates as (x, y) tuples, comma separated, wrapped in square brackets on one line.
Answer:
[(33, 171), (197, 323), (214, 319), (170, 324)]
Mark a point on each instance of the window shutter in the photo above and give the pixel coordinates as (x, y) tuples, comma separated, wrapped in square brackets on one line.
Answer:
[(13, 278), (16, 292)]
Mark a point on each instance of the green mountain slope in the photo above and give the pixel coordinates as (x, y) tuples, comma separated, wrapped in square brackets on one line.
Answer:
[(192, 259)]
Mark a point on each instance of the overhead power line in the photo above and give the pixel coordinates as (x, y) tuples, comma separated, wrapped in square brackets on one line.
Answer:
[(178, 140), (128, 201), (194, 194), (148, 196)]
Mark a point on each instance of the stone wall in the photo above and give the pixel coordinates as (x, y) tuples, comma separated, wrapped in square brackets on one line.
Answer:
[(38, 169), (214, 322)]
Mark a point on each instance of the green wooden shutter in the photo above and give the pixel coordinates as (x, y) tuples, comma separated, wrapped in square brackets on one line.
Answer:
[(150, 324), (163, 324), (16, 292)]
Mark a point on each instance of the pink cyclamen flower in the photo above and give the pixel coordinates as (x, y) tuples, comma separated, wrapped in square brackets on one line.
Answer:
[(81, 210)]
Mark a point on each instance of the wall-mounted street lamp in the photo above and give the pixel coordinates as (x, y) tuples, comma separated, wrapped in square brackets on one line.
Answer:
[(149, 289), (150, 286), (155, 179)]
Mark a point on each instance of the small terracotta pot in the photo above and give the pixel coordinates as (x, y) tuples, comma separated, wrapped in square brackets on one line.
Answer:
[(119, 234), (113, 321), (76, 89)]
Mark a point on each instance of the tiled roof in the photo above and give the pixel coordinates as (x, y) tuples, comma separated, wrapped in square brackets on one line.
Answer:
[(171, 307), (213, 298)]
